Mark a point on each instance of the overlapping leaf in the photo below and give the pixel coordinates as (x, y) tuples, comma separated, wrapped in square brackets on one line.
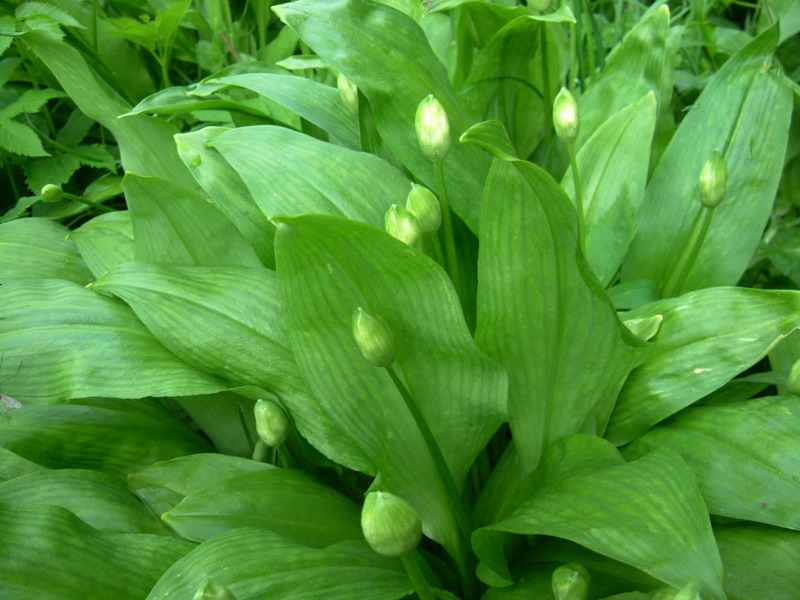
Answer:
[(105, 241)]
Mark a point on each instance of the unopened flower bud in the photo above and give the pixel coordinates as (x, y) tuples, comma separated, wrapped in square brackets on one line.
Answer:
[(391, 527), (793, 380), (423, 204), (565, 116), (374, 338), (688, 592), (713, 179), (403, 225), (52, 193), (570, 582), (348, 92), (433, 129), (211, 590), (272, 424)]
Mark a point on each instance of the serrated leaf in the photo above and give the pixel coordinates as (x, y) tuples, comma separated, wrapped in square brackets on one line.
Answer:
[(20, 139), (31, 8), (55, 170)]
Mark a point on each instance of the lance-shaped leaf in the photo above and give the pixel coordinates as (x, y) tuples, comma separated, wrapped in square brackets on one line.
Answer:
[(97, 499), (49, 553), (542, 314), (706, 338), (290, 173), (285, 501), (744, 113), (105, 241), (59, 340), (745, 456), (760, 561), (108, 436), (647, 513), (254, 563), (39, 249), (327, 267), (352, 37)]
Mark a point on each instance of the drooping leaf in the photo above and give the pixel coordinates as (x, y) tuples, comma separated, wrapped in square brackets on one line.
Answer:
[(105, 241), (705, 339), (59, 340)]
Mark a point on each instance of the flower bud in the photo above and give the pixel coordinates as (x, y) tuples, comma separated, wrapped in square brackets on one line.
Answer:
[(391, 527), (423, 204), (565, 116), (52, 193), (433, 129), (374, 338), (403, 225), (570, 582), (793, 380), (272, 424), (713, 179), (211, 590), (689, 592), (348, 92)]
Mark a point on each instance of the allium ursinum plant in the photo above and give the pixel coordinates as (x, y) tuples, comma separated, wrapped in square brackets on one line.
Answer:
[(386, 314)]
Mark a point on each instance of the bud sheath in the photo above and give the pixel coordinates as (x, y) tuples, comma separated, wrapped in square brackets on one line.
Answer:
[(713, 180), (570, 582), (374, 338), (403, 225), (433, 129), (565, 116), (390, 525), (272, 424), (423, 204)]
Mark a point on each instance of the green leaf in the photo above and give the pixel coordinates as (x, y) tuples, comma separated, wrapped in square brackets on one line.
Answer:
[(745, 456), (30, 101), (59, 341), (285, 501), (289, 173), (647, 513), (220, 417), (105, 241), (177, 225), (760, 561), (39, 249), (98, 500), (109, 436), (20, 139), (613, 165), (55, 170), (12, 465), (744, 112), (253, 563), (565, 370), (706, 338), (162, 485), (491, 135), (50, 553), (352, 36), (30, 9)]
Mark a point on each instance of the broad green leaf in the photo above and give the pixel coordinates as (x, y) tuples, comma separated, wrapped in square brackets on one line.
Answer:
[(97, 499), (744, 112), (39, 249), (164, 484), (20, 139), (760, 561), (789, 14), (220, 417), (289, 173), (745, 456), (706, 338), (352, 37), (181, 100), (261, 565), (176, 225), (491, 134), (50, 553), (565, 370), (647, 513), (613, 165), (227, 191), (285, 501), (112, 437), (12, 465), (105, 241), (59, 340), (327, 268)]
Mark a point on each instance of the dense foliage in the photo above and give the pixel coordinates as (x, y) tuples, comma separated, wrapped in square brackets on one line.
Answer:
[(369, 299)]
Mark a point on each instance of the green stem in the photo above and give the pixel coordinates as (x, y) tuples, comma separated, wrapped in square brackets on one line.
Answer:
[(690, 251), (260, 451), (451, 261), (88, 202), (417, 577), (446, 477), (261, 23), (546, 92), (12, 180), (576, 180)]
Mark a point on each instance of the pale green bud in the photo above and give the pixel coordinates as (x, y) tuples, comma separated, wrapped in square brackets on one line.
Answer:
[(374, 338), (688, 592), (433, 129), (211, 590), (403, 225), (565, 116), (713, 179), (348, 92), (570, 582), (272, 424), (391, 527), (540, 6), (52, 193), (423, 204), (793, 380)]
